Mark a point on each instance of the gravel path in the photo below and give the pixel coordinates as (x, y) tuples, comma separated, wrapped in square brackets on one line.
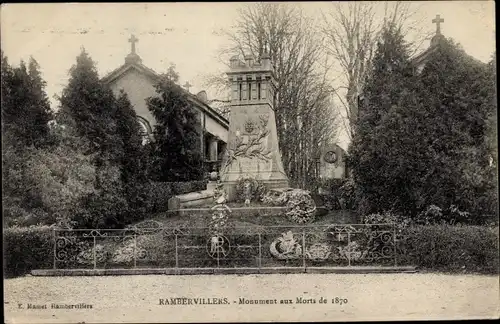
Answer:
[(137, 298)]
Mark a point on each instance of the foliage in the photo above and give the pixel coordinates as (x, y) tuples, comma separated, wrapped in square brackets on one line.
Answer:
[(25, 131), (135, 164), (450, 248), (351, 30), (179, 188), (420, 138), (400, 222), (25, 106), (376, 182), (46, 185), (92, 107), (27, 248), (257, 189), (300, 207), (175, 151), (337, 194)]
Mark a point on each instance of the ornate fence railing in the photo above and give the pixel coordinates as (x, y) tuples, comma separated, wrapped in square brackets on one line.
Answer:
[(332, 245)]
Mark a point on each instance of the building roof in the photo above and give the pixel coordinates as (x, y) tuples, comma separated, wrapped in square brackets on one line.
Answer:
[(134, 62), (436, 41)]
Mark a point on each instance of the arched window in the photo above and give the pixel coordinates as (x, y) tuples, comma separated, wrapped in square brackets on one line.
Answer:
[(145, 130)]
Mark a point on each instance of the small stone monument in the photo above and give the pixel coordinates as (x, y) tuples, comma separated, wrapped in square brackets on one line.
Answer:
[(332, 162), (252, 150)]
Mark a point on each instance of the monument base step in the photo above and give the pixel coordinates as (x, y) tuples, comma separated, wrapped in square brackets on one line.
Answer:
[(191, 200)]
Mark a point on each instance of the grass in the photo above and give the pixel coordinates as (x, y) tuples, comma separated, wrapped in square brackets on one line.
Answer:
[(249, 217)]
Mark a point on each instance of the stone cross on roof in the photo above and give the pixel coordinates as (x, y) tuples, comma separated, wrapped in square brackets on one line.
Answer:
[(187, 86), (438, 20), (133, 40)]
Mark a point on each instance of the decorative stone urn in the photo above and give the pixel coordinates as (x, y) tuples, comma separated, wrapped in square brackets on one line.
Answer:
[(213, 176)]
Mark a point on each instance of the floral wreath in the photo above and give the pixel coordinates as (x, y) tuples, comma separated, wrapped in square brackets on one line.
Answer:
[(257, 189)]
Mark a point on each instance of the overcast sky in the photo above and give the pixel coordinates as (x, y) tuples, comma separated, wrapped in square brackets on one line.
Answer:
[(179, 33)]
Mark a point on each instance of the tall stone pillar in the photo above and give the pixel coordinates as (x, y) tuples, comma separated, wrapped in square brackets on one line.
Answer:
[(252, 149), (213, 149)]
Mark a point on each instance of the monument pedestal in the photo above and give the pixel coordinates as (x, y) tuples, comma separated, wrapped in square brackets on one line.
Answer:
[(230, 187)]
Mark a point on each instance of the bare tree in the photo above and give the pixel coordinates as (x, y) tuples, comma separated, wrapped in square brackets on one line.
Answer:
[(303, 109), (350, 32)]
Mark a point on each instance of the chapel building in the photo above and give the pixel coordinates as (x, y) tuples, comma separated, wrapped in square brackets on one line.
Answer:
[(138, 81)]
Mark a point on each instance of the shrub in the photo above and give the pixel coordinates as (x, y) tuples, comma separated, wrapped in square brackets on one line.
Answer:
[(160, 192), (450, 248), (27, 248), (337, 193), (179, 188)]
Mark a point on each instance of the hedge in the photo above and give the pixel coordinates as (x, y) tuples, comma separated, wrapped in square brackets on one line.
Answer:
[(179, 188), (27, 248), (450, 248)]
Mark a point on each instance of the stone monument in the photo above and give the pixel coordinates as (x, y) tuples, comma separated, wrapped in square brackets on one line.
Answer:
[(252, 149)]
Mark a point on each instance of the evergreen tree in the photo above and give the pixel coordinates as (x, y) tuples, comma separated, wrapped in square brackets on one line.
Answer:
[(92, 107), (377, 163), (25, 116), (128, 130), (135, 162), (25, 105), (457, 92), (492, 124), (176, 152), (422, 139)]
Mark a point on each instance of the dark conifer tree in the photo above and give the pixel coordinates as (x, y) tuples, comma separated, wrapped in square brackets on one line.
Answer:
[(176, 152), (25, 105)]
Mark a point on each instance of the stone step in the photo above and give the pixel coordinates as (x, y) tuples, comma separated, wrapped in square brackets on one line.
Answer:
[(190, 200)]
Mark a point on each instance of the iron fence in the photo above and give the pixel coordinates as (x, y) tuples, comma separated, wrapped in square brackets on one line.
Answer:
[(330, 245)]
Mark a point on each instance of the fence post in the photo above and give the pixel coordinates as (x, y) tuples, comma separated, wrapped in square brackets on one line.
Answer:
[(55, 247), (304, 249), (176, 254), (433, 254), (135, 250), (348, 252), (395, 245), (259, 264), (95, 259)]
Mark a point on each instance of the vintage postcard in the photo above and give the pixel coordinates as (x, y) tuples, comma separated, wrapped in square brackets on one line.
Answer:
[(249, 162)]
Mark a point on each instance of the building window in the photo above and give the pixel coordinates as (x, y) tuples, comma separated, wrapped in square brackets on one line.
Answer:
[(145, 130)]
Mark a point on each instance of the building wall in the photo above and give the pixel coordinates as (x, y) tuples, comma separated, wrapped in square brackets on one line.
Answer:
[(138, 87), (216, 129)]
